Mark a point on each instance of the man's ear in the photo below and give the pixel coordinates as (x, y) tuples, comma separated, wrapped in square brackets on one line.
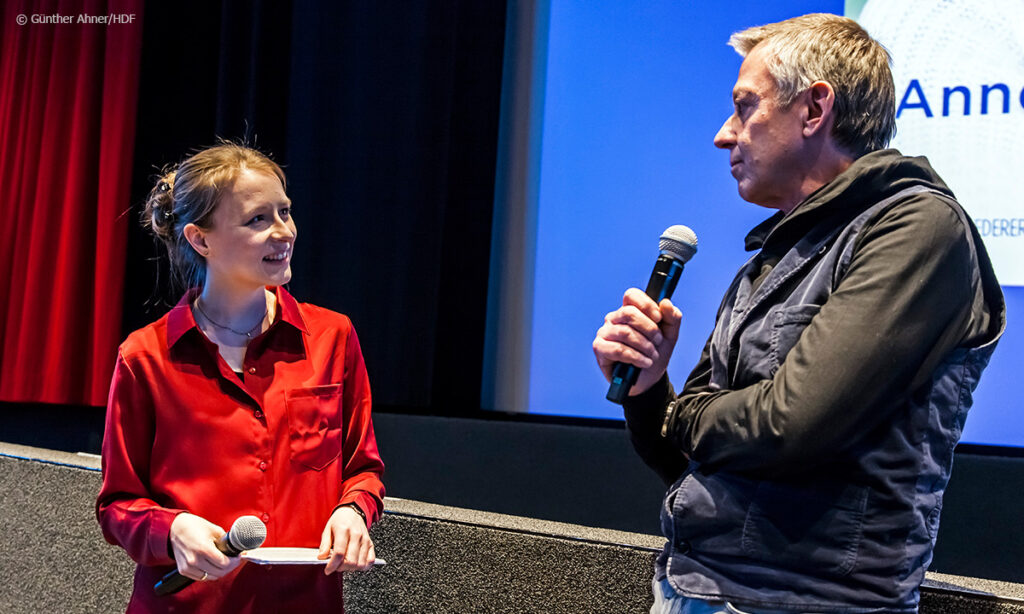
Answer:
[(196, 238), (820, 101)]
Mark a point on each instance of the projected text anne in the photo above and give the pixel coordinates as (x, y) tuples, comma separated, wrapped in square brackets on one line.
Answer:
[(957, 100)]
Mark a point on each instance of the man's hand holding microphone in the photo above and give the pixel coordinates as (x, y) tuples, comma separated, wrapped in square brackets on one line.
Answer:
[(642, 333), (634, 344)]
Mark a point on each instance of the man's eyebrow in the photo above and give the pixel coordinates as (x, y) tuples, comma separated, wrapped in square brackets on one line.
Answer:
[(740, 93)]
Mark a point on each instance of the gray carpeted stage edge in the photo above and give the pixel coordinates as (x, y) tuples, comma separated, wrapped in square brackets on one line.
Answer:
[(440, 559)]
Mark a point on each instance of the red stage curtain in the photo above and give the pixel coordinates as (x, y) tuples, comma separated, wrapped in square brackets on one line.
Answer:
[(67, 123)]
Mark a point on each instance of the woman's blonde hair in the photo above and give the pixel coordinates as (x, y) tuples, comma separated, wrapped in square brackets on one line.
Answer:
[(188, 194)]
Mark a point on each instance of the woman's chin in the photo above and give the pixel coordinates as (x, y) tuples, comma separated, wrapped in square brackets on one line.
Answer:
[(277, 274), (280, 280)]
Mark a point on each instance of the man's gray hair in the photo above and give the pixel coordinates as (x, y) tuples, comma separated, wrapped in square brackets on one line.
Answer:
[(834, 49)]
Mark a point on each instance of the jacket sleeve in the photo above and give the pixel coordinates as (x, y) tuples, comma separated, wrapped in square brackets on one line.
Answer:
[(363, 467), (904, 303), (646, 415), (127, 514)]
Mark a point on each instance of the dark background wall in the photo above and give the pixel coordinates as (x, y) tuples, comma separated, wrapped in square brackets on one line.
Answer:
[(385, 117)]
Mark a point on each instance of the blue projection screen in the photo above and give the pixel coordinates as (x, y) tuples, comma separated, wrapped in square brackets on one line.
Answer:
[(635, 92)]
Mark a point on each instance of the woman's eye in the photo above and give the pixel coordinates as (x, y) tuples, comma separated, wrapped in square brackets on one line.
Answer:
[(255, 220), (286, 212)]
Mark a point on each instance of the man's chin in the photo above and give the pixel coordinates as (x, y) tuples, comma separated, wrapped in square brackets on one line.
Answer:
[(754, 198), (747, 195)]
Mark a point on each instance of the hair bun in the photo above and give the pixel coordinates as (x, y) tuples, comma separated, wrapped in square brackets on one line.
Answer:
[(158, 215)]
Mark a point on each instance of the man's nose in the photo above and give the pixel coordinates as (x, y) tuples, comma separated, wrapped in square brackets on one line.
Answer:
[(725, 137)]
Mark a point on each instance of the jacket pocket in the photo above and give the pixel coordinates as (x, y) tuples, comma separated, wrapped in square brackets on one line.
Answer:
[(788, 325), (817, 530), (314, 425)]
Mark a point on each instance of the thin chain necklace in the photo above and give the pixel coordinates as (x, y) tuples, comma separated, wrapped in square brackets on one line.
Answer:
[(247, 335)]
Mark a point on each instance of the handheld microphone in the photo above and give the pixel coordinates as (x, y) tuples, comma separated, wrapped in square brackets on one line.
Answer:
[(247, 533), (677, 244)]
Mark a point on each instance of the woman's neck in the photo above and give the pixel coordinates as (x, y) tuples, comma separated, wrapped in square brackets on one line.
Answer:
[(237, 310), (232, 319), (241, 310)]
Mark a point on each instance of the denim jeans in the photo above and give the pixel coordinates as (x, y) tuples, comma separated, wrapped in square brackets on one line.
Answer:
[(667, 601)]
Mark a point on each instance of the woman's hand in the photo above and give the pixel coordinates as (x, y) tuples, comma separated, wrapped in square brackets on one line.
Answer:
[(193, 544), (346, 541)]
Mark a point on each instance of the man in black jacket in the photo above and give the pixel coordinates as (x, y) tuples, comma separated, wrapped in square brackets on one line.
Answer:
[(809, 449)]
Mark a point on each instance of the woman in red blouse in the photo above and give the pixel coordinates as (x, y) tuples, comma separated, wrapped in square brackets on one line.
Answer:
[(239, 401)]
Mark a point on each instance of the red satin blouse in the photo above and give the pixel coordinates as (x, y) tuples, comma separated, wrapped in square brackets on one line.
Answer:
[(288, 442)]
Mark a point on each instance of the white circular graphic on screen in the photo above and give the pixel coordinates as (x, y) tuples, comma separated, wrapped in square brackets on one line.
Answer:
[(959, 72)]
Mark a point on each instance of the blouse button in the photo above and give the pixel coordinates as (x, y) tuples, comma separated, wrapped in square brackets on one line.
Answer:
[(266, 517), (258, 413), (252, 370), (263, 465)]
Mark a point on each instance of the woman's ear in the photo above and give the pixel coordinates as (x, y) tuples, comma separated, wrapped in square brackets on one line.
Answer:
[(196, 238)]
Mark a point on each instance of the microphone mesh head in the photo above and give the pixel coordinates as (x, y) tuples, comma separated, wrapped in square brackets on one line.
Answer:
[(246, 533), (678, 241)]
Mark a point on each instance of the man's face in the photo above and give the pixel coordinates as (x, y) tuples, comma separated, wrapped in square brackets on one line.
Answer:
[(765, 141)]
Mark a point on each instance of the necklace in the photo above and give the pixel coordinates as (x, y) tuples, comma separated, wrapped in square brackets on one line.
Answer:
[(247, 334)]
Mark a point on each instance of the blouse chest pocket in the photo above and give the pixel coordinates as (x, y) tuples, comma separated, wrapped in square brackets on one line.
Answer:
[(314, 425)]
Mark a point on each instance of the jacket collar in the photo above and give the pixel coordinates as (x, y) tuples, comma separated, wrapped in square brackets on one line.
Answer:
[(871, 178)]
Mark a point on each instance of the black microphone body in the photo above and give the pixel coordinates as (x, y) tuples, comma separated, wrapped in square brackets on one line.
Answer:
[(246, 533), (172, 582), (678, 245)]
